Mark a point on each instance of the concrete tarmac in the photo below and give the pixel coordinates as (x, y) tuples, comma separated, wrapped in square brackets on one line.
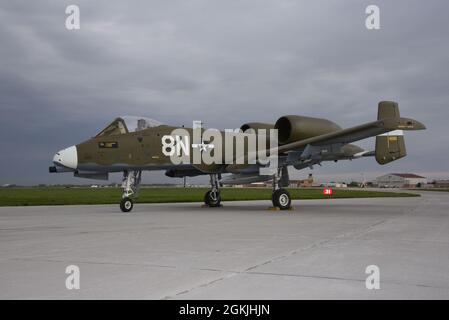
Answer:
[(319, 250)]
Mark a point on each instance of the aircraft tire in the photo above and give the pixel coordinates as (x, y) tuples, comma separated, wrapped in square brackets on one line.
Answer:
[(281, 199), (211, 200), (126, 204)]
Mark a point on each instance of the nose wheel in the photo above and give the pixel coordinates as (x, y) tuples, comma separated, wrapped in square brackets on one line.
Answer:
[(131, 186), (126, 205)]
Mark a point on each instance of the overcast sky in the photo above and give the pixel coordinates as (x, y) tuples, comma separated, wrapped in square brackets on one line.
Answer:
[(223, 62)]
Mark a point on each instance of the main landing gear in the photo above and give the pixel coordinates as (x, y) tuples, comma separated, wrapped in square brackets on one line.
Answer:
[(212, 197), (280, 197), (131, 186)]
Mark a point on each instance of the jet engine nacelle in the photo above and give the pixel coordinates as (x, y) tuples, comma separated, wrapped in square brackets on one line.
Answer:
[(293, 128)]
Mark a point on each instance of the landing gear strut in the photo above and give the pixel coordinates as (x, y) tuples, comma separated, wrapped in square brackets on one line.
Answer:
[(212, 197), (280, 197), (131, 187)]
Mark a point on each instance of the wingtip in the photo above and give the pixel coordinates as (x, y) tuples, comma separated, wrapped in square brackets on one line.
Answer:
[(410, 124), (421, 126), (415, 125)]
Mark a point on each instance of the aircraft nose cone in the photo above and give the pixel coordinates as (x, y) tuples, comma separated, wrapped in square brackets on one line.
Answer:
[(67, 158)]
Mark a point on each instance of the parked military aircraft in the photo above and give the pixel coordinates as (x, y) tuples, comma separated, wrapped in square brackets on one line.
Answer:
[(133, 144)]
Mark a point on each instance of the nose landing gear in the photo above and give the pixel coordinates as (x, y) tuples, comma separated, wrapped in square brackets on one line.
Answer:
[(131, 187)]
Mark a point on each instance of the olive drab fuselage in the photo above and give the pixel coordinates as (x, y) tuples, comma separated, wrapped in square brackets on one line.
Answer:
[(145, 150)]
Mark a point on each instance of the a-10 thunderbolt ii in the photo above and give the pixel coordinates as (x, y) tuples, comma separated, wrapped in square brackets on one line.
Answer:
[(133, 144)]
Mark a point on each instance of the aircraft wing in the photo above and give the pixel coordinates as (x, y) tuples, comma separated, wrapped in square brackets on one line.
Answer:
[(356, 133), (388, 128)]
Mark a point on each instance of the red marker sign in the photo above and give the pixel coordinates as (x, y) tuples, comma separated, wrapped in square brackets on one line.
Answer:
[(327, 191)]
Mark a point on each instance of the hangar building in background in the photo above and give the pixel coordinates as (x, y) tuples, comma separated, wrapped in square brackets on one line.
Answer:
[(400, 180)]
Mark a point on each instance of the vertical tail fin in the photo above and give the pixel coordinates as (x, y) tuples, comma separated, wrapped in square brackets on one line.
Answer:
[(388, 109), (390, 146)]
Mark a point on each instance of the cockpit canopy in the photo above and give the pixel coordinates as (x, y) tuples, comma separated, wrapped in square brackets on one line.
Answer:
[(128, 124)]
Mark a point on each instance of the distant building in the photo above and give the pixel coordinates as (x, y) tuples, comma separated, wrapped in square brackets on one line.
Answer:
[(334, 184), (400, 180), (306, 183), (441, 184)]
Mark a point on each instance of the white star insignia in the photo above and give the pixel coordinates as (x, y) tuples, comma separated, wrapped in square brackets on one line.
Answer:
[(202, 146)]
